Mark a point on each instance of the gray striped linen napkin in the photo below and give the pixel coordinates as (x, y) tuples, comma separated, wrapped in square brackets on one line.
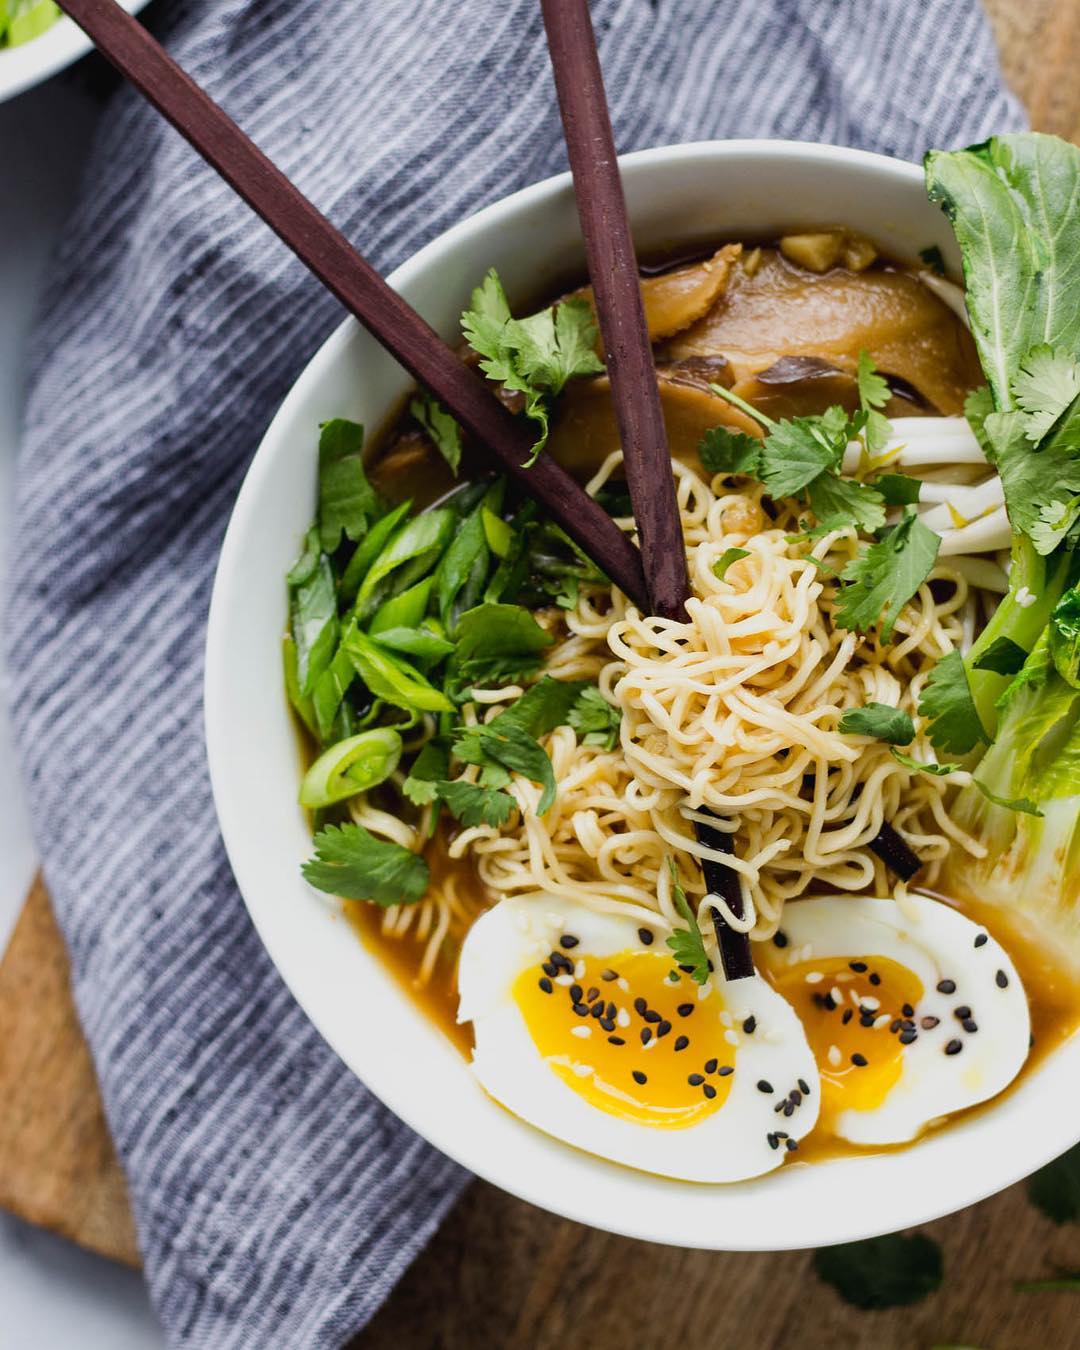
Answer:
[(276, 1200)]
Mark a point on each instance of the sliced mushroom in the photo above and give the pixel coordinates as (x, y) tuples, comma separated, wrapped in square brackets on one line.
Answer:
[(674, 300), (585, 431), (784, 311)]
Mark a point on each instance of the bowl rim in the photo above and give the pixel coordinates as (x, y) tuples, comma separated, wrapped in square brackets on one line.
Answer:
[(956, 1188), (59, 46)]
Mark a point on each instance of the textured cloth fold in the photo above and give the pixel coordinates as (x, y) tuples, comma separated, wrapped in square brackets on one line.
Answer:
[(276, 1200)]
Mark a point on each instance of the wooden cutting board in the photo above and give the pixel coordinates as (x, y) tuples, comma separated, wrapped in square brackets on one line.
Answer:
[(499, 1272)]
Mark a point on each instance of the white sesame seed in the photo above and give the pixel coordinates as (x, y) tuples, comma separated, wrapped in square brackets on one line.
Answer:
[(836, 994), (882, 1021), (583, 1032), (834, 1056), (622, 1017), (726, 1019), (579, 970), (731, 1037), (583, 1070), (651, 1046), (815, 977), (564, 980), (623, 983), (870, 1003), (807, 952), (856, 1000)]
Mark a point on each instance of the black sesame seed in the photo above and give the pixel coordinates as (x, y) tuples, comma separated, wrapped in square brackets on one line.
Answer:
[(946, 986), (875, 978), (780, 1106), (710, 1065), (639, 1077), (859, 1061), (779, 939), (651, 1016), (687, 970), (857, 966), (954, 1047), (789, 1109), (546, 985), (709, 1091), (750, 1025), (685, 1009), (681, 1042), (616, 1040), (961, 1012), (568, 941), (608, 975), (696, 1079), (773, 1141), (663, 1029), (1001, 980), (575, 994), (929, 1023), (866, 1019), (646, 1035), (764, 1085), (970, 1025), (818, 1000), (829, 1003), (907, 1024), (592, 995), (908, 1037), (646, 936), (894, 1025), (908, 1010), (611, 1010), (791, 1145), (581, 1010), (597, 1010), (804, 1087), (640, 1007), (607, 1023), (550, 968), (981, 939), (849, 1013), (725, 1070), (795, 1096)]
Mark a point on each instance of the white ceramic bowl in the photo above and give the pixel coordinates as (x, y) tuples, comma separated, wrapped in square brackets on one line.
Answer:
[(28, 64), (688, 193)]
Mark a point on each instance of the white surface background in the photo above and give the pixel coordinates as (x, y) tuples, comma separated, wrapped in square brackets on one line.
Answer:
[(52, 1295)]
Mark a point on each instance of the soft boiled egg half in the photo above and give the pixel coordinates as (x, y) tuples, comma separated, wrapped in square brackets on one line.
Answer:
[(913, 1013), (585, 1028)]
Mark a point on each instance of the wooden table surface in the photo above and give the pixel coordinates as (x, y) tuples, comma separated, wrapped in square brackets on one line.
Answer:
[(499, 1272)]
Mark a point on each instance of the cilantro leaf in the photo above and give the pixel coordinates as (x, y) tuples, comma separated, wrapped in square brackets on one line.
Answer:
[(352, 863), (887, 575), (898, 489), (1055, 1188), (840, 502), (874, 389), (497, 642), (686, 943), (921, 766), (545, 706), (729, 556), (1047, 382), (882, 1272), (594, 720), (796, 450), (503, 745), (346, 498), (440, 427), (946, 699), (722, 450), (878, 719), (1003, 657), (533, 356), (474, 805)]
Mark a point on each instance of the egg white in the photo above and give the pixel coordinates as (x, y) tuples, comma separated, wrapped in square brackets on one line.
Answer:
[(936, 943), (731, 1144)]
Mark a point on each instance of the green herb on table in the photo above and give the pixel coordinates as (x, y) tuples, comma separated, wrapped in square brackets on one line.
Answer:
[(883, 1272)]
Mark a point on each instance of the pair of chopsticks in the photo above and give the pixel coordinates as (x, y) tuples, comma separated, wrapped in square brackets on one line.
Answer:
[(659, 584)]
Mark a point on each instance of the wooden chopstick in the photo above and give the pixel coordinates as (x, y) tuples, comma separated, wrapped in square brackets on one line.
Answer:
[(328, 254), (613, 271), (609, 252)]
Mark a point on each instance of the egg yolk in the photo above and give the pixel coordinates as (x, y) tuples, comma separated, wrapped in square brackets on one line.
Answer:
[(859, 1015), (631, 1035)]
